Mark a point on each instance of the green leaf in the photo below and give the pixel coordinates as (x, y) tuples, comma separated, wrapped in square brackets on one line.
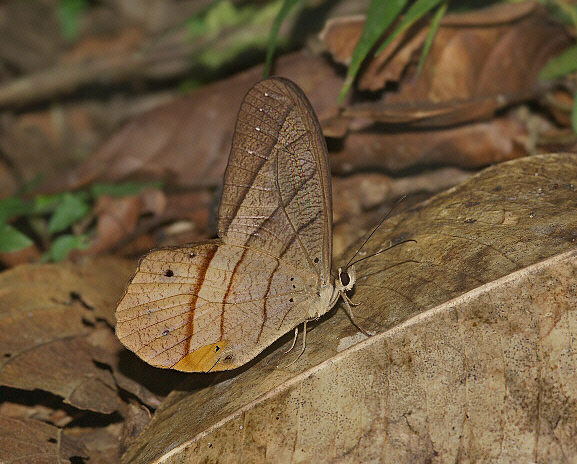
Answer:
[(12, 239), (122, 190), (13, 207), (380, 15), (561, 65), (238, 29), (287, 6), (432, 31), (69, 12), (71, 209), (574, 115), (63, 245), (44, 204), (415, 12)]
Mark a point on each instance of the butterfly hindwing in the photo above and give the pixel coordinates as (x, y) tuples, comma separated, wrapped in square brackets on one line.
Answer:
[(208, 295)]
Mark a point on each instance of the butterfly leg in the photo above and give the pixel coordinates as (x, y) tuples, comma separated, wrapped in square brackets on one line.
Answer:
[(294, 340), (348, 304), (304, 343)]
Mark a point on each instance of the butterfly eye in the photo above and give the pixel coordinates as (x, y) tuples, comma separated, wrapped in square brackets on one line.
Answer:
[(344, 278)]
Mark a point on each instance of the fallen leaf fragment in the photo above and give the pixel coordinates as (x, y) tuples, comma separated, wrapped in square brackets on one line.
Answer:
[(118, 217), (26, 440), (47, 315), (101, 443), (186, 142), (468, 146), (494, 50)]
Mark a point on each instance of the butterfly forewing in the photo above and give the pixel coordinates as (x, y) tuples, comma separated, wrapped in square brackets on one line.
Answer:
[(217, 304), (276, 193)]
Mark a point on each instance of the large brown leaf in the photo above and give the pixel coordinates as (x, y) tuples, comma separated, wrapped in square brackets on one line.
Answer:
[(472, 357), (51, 330), (186, 142)]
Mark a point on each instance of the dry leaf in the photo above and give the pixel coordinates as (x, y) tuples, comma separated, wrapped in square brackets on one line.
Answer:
[(487, 52), (25, 440), (472, 359), (101, 443), (118, 217), (186, 142), (54, 338), (480, 63), (31, 254), (17, 405), (361, 200), (468, 146), (136, 419), (47, 318)]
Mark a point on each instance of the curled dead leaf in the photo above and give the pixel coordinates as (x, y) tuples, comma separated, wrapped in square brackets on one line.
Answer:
[(468, 146)]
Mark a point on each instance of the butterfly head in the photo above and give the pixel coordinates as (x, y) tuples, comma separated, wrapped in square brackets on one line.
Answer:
[(346, 279)]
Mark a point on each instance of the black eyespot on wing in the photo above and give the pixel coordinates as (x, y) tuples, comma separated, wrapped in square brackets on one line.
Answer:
[(316, 260), (291, 300), (191, 254), (165, 332), (216, 348), (168, 273)]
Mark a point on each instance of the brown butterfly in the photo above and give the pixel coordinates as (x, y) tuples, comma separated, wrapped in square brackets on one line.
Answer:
[(215, 305)]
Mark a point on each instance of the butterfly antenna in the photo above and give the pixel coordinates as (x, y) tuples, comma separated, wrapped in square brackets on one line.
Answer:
[(372, 233), (383, 250)]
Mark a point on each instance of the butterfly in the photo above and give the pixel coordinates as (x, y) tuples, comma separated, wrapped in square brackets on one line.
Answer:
[(215, 305)]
